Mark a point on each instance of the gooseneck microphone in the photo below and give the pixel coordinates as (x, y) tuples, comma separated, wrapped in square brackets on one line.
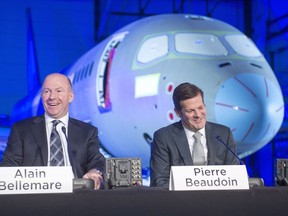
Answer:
[(253, 182), (221, 141), (78, 183), (71, 156)]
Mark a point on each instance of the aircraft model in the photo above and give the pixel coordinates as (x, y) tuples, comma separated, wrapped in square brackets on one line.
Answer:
[(124, 84)]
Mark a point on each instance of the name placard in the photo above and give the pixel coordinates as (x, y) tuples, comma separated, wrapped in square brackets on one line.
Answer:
[(228, 177), (31, 180)]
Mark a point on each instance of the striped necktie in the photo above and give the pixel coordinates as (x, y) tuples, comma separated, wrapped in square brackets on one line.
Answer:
[(56, 151)]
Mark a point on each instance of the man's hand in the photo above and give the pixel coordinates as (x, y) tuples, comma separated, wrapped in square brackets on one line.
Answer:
[(96, 176)]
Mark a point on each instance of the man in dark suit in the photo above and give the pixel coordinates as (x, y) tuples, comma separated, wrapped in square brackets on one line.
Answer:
[(28, 143), (174, 145)]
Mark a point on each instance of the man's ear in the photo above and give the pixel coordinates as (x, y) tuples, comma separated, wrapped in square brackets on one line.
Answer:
[(178, 113), (71, 96)]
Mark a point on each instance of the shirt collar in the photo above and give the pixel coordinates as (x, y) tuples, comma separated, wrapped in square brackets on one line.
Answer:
[(64, 119), (187, 131)]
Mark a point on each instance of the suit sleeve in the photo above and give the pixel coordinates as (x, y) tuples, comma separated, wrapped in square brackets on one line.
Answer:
[(13, 153), (95, 159), (159, 163)]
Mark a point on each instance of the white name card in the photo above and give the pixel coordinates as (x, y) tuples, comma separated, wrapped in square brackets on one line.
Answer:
[(228, 177), (31, 180)]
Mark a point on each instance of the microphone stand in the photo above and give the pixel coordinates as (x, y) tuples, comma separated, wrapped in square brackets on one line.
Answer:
[(78, 183)]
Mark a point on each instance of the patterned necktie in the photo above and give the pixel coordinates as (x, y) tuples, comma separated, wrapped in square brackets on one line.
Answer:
[(198, 150), (56, 151)]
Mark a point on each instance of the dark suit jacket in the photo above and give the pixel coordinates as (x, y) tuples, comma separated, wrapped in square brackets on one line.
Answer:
[(170, 148), (27, 145)]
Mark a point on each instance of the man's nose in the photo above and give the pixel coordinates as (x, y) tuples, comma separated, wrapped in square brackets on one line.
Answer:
[(53, 94), (197, 113)]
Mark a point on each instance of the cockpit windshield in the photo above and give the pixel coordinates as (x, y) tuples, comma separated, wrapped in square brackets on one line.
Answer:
[(201, 44)]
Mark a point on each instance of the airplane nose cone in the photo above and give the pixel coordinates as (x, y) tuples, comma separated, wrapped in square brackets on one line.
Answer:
[(253, 107)]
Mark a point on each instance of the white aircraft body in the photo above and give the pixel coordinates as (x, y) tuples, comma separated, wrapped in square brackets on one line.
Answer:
[(124, 85)]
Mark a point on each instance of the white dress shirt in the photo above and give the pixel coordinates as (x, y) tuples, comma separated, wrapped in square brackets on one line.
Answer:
[(49, 125), (191, 140)]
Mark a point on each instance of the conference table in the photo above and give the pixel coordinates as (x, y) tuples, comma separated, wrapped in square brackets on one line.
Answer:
[(270, 201)]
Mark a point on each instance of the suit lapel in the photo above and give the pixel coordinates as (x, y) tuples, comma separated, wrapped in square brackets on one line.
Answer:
[(39, 133), (74, 139), (210, 139), (182, 143), (73, 136)]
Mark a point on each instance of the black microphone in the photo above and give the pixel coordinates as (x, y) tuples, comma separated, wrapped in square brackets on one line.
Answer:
[(71, 156), (78, 183), (253, 182), (221, 141)]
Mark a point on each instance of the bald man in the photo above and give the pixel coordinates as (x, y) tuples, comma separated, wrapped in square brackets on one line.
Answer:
[(29, 140)]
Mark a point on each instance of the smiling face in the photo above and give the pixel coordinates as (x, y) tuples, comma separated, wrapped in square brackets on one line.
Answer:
[(192, 113), (56, 95)]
